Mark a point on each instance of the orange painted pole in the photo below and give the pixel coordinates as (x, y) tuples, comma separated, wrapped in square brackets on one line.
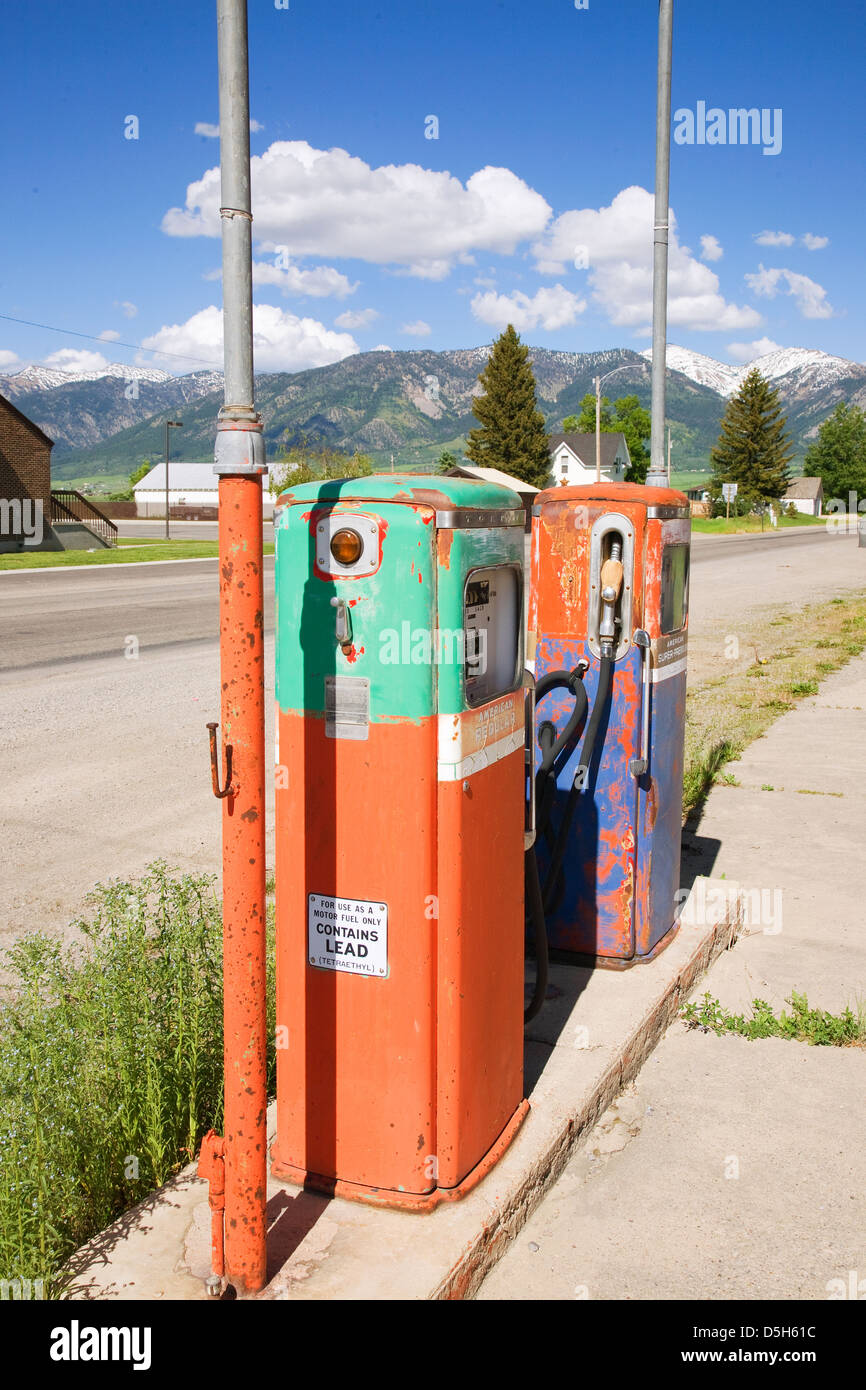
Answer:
[(244, 946)]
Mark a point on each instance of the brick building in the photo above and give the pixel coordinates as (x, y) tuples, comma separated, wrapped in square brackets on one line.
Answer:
[(25, 477)]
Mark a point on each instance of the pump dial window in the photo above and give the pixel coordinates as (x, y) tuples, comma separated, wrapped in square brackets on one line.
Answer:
[(492, 625)]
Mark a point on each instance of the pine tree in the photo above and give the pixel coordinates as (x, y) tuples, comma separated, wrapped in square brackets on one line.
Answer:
[(512, 434), (753, 449)]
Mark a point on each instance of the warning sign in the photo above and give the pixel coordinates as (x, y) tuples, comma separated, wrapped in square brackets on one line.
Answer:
[(346, 934)]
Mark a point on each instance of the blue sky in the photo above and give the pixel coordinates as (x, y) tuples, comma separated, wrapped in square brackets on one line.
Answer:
[(533, 204)]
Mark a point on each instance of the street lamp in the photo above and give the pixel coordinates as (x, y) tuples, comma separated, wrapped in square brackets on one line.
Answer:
[(169, 425), (598, 381)]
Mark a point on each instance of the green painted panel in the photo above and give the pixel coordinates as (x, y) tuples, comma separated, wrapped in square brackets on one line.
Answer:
[(407, 618), (392, 611)]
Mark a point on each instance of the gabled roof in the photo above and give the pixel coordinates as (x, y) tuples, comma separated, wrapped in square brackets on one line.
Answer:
[(583, 447), (25, 420), (804, 489), (491, 475), (192, 477)]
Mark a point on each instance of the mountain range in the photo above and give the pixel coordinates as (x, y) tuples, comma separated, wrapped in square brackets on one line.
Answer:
[(410, 404)]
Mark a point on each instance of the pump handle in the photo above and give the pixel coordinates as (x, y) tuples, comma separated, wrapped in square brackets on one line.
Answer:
[(638, 766)]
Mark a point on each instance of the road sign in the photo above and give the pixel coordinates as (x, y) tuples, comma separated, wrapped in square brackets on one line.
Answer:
[(729, 491)]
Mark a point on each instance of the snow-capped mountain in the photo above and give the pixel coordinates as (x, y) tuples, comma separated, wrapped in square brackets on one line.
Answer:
[(36, 378), (80, 409), (815, 371)]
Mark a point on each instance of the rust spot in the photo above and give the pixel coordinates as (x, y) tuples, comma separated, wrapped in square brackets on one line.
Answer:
[(651, 804), (250, 815), (444, 541)]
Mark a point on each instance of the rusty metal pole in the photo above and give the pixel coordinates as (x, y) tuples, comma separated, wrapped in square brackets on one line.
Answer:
[(239, 459)]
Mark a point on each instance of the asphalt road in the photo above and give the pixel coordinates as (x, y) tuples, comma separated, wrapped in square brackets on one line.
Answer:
[(103, 746), (50, 616)]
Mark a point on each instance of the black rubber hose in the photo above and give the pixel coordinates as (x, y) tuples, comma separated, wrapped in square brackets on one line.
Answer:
[(605, 677), (545, 787), (532, 890), (551, 747)]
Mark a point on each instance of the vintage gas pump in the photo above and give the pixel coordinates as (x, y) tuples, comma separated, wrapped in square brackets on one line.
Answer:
[(399, 834), (608, 623)]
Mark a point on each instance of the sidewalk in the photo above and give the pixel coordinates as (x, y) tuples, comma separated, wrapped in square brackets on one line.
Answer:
[(737, 1169)]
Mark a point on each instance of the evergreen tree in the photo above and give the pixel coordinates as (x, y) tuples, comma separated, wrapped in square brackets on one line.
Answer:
[(512, 434), (446, 461), (753, 449), (838, 455), (628, 417)]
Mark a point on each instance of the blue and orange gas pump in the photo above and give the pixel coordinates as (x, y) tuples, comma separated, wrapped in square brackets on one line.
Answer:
[(608, 627)]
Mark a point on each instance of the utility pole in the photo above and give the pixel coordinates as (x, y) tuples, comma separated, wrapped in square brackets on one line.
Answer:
[(598, 429), (239, 460), (169, 425), (656, 475)]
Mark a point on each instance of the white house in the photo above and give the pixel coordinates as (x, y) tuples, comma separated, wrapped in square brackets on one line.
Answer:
[(807, 494), (572, 458), (191, 486)]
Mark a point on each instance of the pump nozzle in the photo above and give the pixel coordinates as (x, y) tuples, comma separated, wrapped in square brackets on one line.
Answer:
[(611, 587)]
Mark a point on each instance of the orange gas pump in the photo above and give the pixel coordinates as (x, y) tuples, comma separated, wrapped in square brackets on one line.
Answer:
[(400, 835)]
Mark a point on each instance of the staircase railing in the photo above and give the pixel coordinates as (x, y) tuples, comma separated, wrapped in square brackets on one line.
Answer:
[(69, 505)]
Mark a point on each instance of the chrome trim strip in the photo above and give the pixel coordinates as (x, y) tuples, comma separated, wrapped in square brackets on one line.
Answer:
[(463, 518), (668, 512)]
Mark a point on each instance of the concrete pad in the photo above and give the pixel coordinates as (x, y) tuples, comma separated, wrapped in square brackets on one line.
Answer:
[(591, 1039)]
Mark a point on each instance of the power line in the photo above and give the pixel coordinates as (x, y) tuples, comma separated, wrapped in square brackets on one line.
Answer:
[(94, 338)]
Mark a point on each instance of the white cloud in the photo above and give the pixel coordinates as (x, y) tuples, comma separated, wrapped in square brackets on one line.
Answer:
[(127, 308), (382, 347), (212, 132), (810, 296), (616, 244), (774, 239), (549, 308), (282, 342), (356, 318), (76, 360), (711, 249), (747, 352), (815, 243), (8, 358), (329, 203), (109, 335), (320, 282), (418, 329)]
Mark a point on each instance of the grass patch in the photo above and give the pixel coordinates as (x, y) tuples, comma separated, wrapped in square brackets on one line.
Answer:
[(723, 716), (802, 1024), (130, 550), (110, 1065), (718, 526)]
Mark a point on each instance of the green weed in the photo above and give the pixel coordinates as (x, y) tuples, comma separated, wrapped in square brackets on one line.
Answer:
[(814, 1026), (110, 1065)]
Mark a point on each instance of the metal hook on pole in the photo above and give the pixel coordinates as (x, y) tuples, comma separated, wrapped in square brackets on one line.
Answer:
[(227, 789)]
